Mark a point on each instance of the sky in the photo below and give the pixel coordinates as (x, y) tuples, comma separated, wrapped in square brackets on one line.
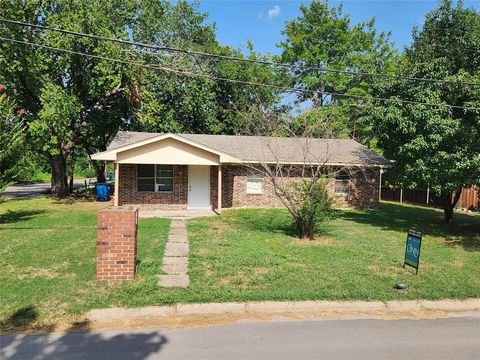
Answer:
[(263, 20)]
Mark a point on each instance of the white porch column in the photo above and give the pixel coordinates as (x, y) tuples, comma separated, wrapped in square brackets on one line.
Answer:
[(380, 186), (117, 184), (219, 189)]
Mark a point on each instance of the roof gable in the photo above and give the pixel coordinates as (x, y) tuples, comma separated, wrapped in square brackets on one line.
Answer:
[(124, 145), (235, 149)]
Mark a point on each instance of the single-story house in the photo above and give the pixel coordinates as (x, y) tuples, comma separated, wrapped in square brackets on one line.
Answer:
[(195, 171)]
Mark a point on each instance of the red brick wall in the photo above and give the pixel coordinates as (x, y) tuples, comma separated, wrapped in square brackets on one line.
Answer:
[(129, 195), (234, 189), (364, 192), (116, 243)]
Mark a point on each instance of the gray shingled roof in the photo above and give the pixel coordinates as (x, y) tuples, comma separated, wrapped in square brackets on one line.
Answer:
[(272, 149)]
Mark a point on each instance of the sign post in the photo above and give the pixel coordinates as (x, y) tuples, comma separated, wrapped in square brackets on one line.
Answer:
[(412, 249)]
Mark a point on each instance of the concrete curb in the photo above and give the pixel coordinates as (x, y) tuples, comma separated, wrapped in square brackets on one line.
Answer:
[(282, 307)]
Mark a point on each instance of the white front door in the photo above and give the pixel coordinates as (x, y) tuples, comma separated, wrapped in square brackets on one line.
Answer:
[(198, 186)]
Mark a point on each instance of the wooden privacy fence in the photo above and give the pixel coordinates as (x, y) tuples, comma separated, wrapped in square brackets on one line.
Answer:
[(469, 199)]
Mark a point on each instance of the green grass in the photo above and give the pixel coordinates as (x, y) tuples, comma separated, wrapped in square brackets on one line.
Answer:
[(252, 255), (47, 256)]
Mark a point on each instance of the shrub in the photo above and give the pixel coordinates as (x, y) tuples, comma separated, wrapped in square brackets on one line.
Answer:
[(310, 205)]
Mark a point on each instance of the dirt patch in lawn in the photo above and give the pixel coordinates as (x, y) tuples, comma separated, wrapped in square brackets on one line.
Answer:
[(30, 272)]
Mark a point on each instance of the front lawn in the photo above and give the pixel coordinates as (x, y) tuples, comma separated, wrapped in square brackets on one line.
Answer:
[(48, 259), (252, 255)]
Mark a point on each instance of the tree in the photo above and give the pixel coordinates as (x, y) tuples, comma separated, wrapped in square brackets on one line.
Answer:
[(300, 186), (436, 146), (324, 38), (172, 102), (69, 99), (11, 139), (100, 96)]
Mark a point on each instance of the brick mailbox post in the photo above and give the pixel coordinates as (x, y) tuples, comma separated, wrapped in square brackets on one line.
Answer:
[(116, 243)]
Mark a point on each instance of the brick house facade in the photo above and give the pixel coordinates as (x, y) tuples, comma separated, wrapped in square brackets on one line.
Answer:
[(197, 171), (363, 190)]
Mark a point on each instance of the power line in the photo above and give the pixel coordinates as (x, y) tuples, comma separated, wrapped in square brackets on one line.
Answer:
[(212, 77), (239, 59)]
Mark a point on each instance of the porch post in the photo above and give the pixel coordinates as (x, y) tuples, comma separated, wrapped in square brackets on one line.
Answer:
[(380, 186), (117, 184), (219, 189)]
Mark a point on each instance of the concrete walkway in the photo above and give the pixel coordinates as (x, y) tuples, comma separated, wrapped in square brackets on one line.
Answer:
[(175, 259)]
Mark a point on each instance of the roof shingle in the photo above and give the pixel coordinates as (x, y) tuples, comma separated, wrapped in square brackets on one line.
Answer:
[(273, 149)]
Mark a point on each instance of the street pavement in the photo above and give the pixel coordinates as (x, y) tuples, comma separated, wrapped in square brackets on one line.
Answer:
[(21, 191), (451, 338)]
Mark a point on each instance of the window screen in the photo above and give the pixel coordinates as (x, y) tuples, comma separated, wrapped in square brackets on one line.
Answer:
[(155, 178), (255, 183), (342, 183), (164, 178)]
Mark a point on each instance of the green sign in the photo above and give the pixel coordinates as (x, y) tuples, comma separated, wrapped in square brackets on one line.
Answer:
[(412, 249)]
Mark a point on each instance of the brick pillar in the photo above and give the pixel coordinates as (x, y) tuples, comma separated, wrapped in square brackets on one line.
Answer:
[(116, 243)]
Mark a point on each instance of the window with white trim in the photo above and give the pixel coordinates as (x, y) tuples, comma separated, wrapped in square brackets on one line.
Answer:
[(342, 183), (255, 183), (155, 178)]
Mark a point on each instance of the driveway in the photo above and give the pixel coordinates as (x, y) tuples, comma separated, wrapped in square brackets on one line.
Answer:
[(20, 191), (452, 338)]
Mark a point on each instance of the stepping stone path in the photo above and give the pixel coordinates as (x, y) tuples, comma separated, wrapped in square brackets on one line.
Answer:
[(175, 259)]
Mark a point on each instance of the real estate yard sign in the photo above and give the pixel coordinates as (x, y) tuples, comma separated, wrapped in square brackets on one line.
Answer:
[(412, 249)]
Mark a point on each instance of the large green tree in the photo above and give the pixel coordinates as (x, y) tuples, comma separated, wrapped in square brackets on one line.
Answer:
[(11, 138), (69, 99), (201, 103), (437, 146), (323, 37), (77, 101)]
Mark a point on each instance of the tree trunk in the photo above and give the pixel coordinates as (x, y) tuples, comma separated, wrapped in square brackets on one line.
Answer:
[(449, 201), (59, 176), (71, 172), (99, 167)]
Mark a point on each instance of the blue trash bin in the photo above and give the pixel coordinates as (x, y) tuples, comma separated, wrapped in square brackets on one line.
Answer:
[(103, 192)]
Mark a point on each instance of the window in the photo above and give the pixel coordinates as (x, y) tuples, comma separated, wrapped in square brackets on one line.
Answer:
[(255, 183), (164, 178), (157, 178), (342, 183)]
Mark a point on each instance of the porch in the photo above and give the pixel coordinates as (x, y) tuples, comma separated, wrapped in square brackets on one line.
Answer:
[(170, 190)]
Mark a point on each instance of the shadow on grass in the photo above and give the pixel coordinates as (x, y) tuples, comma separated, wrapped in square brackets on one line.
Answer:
[(20, 318), (464, 231), (264, 220), (77, 342), (19, 215)]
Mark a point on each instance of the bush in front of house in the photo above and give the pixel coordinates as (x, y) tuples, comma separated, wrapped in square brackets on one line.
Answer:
[(309, 204)]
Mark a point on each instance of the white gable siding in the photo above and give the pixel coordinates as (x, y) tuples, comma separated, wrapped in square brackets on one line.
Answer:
[(168, 151)]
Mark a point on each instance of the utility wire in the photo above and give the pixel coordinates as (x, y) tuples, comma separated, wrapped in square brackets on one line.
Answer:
[(239, 59), (212, 77)]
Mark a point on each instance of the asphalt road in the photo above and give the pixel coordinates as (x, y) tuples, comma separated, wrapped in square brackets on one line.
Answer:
[(453, 338), (21, 191)]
